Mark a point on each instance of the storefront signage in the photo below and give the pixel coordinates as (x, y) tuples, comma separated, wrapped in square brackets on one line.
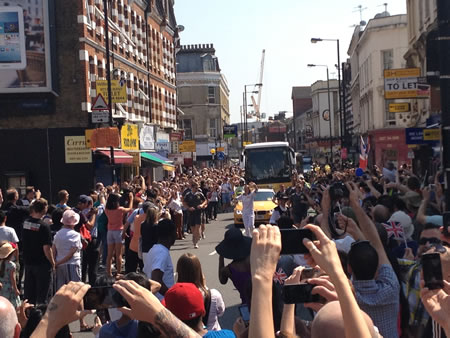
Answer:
[(147, 138), (118, 90), (163, 148), (102, 137), (25, 47), (422, 136), (176, 136), (187, 147), (76, 151), (136, 158), (432, 134), (403, 107), (402, 83), (129, 137), (230, 131)]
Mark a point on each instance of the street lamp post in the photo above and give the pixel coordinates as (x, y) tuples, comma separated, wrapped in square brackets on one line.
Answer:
[(342, 117), (108, 79), (329, 109)]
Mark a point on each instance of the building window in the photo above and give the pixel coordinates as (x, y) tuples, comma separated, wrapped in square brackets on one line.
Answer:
[(213, 128), (187, 126), (387, 59), (390, 117), (211, 95)]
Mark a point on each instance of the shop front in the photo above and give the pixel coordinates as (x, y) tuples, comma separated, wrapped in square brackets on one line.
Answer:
[(156, 167), (389, 145)]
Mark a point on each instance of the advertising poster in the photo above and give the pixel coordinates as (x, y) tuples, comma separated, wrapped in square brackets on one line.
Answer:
[(24, 46)]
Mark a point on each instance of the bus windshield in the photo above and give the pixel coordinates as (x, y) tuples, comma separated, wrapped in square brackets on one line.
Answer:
[(267, 165)]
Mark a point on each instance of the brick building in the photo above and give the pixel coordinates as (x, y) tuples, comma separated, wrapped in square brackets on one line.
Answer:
[(143, 40)]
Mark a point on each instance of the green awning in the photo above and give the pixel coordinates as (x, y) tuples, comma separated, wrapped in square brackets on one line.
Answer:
[(151, 157)]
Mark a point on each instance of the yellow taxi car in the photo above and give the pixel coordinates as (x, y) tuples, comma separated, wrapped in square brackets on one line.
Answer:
[(262, 205)]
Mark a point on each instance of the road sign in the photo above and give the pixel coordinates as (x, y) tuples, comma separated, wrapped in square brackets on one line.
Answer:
[(100, 116), (220, 156), (118, 90), (99, 103)]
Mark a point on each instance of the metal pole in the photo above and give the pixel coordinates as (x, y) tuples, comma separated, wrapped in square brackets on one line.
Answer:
[(242, 128), (443, 18), (245, 114), (108, 79), (341, 128), (329, 112)]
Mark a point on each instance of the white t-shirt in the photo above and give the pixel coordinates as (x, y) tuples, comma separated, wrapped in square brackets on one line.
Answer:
[(344, 244), (66, 239), (158, 258), (216, 310), (175, 205), (247, 203), (8, 234)]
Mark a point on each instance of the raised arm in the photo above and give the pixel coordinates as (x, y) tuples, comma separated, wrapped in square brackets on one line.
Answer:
[(365, 223), (265, 252)]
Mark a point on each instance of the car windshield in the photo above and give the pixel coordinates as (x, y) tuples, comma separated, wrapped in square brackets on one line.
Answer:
[(264, 196)]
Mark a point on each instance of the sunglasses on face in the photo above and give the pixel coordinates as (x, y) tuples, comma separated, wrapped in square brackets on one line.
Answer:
[(430, 240)]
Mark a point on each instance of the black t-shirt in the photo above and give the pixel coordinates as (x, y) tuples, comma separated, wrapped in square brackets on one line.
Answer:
[(149, 235), (16, 214), (299, 204), (36, 234), (83, 219), (198, 199)]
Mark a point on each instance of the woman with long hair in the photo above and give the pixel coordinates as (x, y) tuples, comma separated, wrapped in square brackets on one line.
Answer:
[(149, 230), (115, 214), (189, 270)]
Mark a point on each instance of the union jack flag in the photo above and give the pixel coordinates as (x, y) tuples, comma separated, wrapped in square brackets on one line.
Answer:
[(279, 276), (364, 154), (394, 229)]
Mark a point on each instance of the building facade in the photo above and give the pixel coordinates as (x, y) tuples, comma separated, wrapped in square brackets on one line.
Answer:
[(143, 37), (301, 103), (203, 96), (380, 46)]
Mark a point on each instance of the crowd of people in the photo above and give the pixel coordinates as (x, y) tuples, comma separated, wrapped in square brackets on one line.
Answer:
[(370, 234)]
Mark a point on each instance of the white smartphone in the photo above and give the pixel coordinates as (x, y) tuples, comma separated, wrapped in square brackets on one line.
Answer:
[(12, 38)]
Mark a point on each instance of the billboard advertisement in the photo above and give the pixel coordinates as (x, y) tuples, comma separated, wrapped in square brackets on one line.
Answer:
[(24, 46)]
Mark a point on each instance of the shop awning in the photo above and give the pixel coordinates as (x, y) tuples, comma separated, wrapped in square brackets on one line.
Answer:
[(120, 157), (157, 158)]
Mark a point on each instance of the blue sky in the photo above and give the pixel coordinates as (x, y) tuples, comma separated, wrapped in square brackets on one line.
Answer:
[(241, 29)]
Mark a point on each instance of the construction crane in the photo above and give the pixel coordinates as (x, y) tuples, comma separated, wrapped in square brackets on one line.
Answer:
[(257, 105)]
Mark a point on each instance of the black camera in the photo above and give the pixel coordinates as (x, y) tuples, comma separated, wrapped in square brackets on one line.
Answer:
[(338, 190)]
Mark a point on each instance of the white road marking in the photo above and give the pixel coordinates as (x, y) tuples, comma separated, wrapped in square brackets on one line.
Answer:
[(213, 253)]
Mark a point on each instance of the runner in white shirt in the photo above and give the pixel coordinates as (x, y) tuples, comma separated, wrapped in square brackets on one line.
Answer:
[(248, 214)]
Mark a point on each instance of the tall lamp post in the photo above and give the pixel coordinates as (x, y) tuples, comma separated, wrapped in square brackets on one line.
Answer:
[(329, 109), (342, 117), (259, 85), (108, 79)]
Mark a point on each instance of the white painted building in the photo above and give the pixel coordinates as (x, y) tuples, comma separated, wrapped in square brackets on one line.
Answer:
[(381, 45), (319, 95), (422, 53)]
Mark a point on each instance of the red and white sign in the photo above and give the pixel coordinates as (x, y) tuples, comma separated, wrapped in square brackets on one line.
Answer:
[(99, 103)]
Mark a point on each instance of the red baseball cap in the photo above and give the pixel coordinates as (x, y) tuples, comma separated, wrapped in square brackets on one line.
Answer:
[(185, 301)]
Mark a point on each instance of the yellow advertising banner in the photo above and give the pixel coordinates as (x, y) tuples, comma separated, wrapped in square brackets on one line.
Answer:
[(118, 90), (129, 137), (432, 134), (76, 151), (403, 107), (187, 147)]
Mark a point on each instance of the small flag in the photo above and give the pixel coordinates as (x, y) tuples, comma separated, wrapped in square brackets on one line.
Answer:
[(279, 276), (364, 154), (394, 229)]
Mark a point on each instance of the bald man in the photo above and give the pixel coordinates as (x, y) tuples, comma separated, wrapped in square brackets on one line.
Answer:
[(380, 214), (9, 325), (330, 323)]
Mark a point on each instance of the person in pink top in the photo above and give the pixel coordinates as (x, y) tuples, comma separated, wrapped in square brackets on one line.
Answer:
[(115, 214)]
